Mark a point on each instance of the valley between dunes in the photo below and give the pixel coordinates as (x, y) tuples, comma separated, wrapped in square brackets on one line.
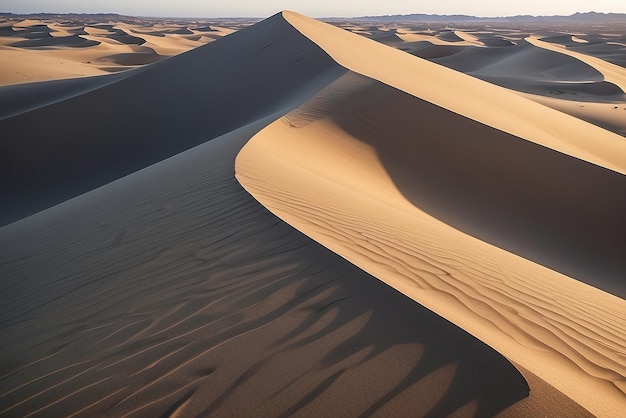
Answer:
[(295, 220)]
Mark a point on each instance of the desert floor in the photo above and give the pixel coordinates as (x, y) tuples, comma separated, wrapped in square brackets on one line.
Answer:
[(296, 218)]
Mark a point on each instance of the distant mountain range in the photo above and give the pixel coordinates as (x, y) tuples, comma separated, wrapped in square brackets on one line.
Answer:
[(591, 17), (577, 17)]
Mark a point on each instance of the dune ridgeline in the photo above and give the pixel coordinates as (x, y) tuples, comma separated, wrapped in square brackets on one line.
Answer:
[(296, 220)]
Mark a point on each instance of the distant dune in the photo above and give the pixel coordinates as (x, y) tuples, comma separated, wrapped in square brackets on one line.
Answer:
[(574, 66), (295, 220), (48, 47)]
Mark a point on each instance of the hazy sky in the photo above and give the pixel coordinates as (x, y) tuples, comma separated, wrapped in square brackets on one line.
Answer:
[(313, 8)]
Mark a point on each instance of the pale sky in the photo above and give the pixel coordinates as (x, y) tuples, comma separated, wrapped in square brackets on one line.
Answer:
[(313, 8)]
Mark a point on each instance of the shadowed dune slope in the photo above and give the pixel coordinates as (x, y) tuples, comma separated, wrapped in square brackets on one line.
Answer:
[(467, 96), (322, 170), (74, 41), (165, 109), (588, 88), (391, 179), (613, 53), (496, 187), (173, 292), (531, 69), (21, 98)]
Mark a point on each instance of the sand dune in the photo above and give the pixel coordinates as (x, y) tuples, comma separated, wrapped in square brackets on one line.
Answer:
[(600, 43), (172, 291), (544, 66), (581, 87), (465, 36), (368, 201), (526, 63), (611, 72), (355, 210), (151, 119), (486, 100), (449, 39), (40, 50)]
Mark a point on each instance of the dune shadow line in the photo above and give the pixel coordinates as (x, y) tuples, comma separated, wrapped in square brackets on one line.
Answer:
[(556, 210)]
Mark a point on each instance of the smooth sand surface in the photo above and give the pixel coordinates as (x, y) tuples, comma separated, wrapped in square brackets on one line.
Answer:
[(549, 68), (41, 50), (171, 291), (486, 103), (587, 88), (611, 72), (148, 117), (366, 180)]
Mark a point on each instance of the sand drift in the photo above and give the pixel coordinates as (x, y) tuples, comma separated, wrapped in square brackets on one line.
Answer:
[(297, 220)]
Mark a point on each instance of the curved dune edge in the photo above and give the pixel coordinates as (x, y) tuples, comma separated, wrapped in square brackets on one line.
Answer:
[(612, 73), (172, 292), (447, 88), (607, 115), (92, 48), (572, 89), (333, 187), (156, 111)]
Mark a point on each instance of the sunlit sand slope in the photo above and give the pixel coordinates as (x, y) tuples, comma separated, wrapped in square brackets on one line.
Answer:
[(170, 291), (399, 171), (61, 47), (576, 74), (173, 292), (583, 86)]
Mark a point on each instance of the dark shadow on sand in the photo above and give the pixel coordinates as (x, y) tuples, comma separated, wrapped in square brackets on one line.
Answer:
[(59, 151), (548, 207), (158, 292)]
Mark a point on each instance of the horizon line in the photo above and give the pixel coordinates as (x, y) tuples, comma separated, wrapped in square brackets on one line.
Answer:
[(315, 17)]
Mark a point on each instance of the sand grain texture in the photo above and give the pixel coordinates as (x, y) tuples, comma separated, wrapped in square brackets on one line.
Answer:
[(139, 278), (172, 291), (368, 179), (149, 117)]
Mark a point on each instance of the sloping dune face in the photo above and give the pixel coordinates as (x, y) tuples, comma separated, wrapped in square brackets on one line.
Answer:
[(526, 67), (149, 114), (542, 64), (171, 291), (62, 47), (397, 167)]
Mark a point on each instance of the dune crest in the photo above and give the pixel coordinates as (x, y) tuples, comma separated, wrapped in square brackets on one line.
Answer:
[(328, 170), (612, 73), (91, 45), (448, 88), (159, 110), (548, 67), (139, 278), (171, 291)]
